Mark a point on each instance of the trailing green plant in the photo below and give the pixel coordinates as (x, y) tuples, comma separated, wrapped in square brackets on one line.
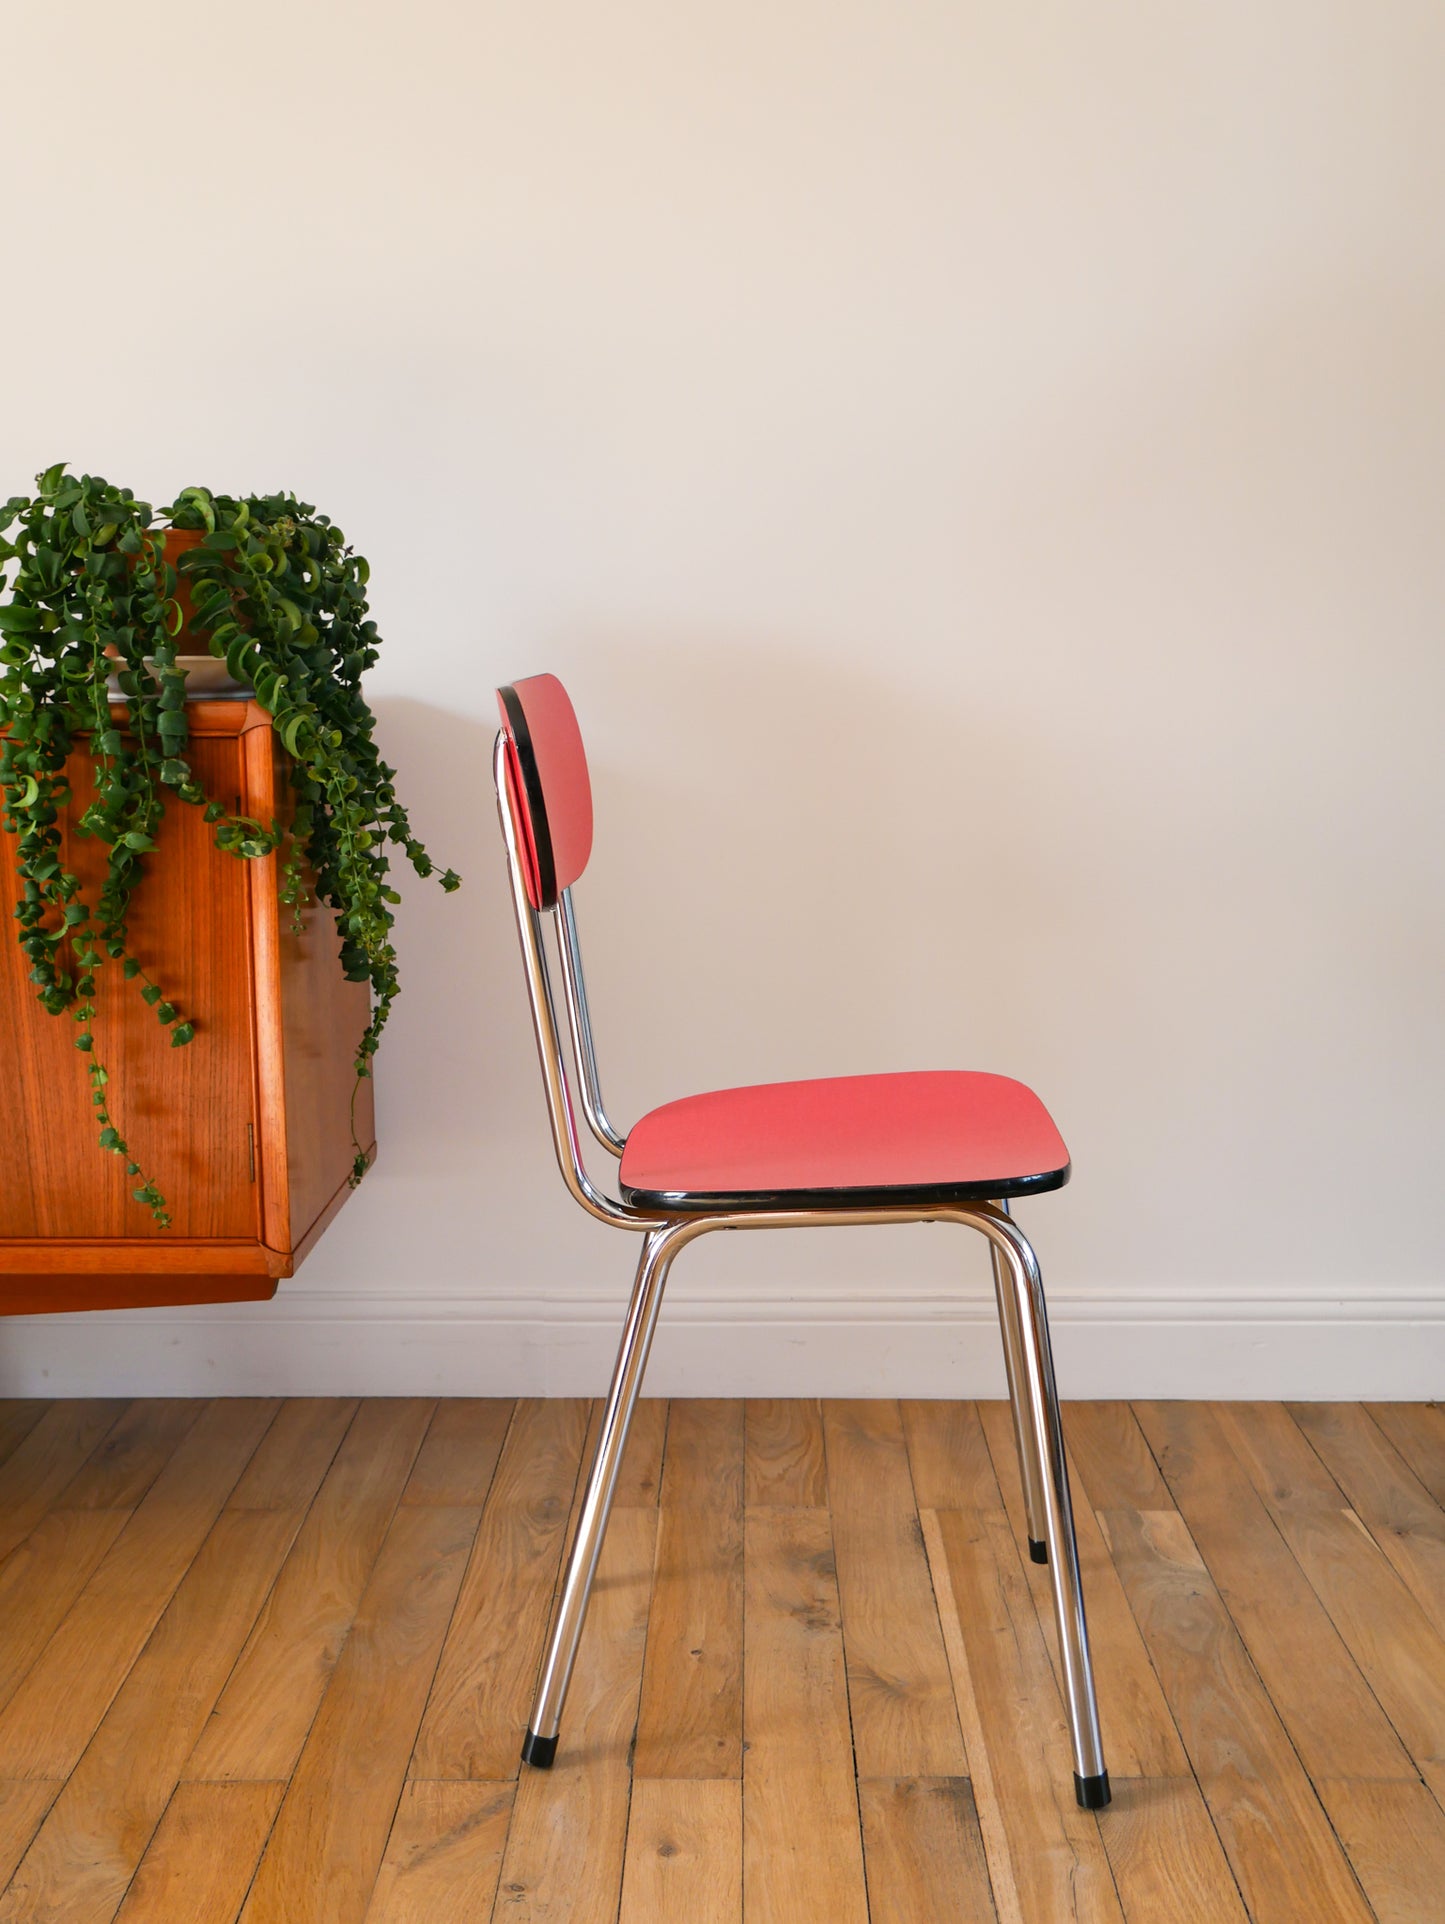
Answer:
[(281, 598)]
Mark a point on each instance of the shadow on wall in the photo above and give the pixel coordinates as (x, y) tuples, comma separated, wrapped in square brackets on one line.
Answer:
[(455, 1053), (804, 869), (797, 871)]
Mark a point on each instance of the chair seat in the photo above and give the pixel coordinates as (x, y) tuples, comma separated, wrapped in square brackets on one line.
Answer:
[(848, 1141)]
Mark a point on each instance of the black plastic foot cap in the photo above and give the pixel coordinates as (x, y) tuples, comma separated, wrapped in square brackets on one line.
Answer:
[(539, 1752), (1092, 1792), (1038, 1551)]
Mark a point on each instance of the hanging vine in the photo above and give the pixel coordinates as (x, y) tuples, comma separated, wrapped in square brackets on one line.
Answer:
[(281, 598)]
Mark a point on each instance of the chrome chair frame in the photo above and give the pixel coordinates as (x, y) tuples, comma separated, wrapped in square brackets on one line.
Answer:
[(1018, 1288)]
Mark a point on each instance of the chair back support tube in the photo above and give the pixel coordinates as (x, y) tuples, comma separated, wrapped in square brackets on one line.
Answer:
[(579, 1021), (544, 1019)]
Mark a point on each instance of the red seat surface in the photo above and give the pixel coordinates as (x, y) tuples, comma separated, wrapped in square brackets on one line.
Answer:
[(955, 1135)]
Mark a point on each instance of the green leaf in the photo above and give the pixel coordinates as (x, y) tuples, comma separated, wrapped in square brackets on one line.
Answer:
[(281, 599), (241, 658), (110, 1139), (200, 502)]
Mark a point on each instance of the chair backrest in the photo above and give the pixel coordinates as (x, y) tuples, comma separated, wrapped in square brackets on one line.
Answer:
[(545, 800), (547, 774)]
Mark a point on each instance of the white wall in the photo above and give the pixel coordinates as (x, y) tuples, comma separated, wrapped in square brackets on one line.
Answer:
[(978, 469)]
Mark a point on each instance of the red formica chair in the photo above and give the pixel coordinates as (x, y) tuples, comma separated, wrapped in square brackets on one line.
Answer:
[(947, 1146)]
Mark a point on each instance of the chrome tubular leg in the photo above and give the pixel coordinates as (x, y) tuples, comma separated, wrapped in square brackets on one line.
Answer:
[(1031, 1473), (540, 1746), (1091, 1779)]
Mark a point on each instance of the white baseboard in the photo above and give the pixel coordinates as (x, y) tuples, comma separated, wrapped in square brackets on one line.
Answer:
[(314, 1341)]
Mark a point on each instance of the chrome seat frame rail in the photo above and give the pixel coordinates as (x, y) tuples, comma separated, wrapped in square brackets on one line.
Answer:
[(1018, 1288)]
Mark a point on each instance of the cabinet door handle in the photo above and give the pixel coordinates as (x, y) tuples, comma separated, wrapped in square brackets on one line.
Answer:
[(251, 1149)]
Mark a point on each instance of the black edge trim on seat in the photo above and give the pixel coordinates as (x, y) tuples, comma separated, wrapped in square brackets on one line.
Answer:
[(903, 1196), (536, 801)]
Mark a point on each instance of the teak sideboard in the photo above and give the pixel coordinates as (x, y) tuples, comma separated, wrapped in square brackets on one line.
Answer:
[(247, 1130)]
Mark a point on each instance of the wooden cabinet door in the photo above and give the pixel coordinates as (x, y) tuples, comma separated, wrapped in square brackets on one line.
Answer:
[(188, 1114), (309, 1025)]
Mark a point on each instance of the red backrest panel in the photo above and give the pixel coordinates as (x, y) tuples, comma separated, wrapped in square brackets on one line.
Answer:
[(547, 766)]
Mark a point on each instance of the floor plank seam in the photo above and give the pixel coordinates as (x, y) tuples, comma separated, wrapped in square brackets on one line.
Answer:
[(847, 1667), (1249, 1658), (998, 1853), (1434, 1790), (56, 1502), (264, 1606), (164, 1604), (164, 1607), (1028, 1589), (1164, 1694), (1323, 1602), (461, 1589), (425, 1696), (943, 1633), (743, 1664), (240, 1909), (364, 1579), (642, 1667)]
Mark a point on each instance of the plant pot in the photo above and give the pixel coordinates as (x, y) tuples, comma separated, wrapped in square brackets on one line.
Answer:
[(207, 678)]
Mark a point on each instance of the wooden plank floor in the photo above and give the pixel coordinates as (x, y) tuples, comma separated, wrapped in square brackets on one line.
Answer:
[(270, 1661)]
